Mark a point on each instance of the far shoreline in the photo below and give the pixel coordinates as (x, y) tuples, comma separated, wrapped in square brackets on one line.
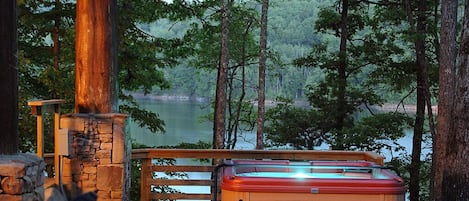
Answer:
[(387, 107)]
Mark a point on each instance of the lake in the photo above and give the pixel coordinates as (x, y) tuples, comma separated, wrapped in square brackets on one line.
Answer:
[(184, 124)]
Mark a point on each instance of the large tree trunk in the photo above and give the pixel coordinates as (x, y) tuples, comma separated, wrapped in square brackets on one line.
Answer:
[(8, 77), (96, 57), (220, 99), (449, 10), (455, 180), (261, 89)]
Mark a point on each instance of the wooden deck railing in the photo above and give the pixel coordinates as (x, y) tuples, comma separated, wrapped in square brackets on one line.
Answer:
[(152, 174), (148, 167)]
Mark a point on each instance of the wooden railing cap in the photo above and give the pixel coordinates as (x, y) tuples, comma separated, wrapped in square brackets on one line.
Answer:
[(45, 102)]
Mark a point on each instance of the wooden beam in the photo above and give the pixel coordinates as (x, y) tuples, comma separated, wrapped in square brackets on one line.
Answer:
[(258, 154), (181, 182), (181, 196), (182, 168)]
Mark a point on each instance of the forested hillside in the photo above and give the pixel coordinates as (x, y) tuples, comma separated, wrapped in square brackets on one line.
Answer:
[(290, 35)]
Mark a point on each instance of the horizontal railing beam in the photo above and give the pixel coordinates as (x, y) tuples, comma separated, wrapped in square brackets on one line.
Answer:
[(181, 182), (258, 154), (182, 196), (182, 168)]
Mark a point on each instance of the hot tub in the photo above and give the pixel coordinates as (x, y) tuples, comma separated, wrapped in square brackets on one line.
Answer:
[(258, 180)]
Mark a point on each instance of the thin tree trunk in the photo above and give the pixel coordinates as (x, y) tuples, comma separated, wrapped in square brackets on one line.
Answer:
[(417, 143), (220, 99), (421, 74), (56, 41), (261, 90), (447, 58), (455, 180), (433, 127), (96, 57), (8, 77), (342, 77), (240, 105), (231, 124)]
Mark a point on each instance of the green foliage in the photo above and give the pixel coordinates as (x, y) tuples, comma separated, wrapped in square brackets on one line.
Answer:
[(243, 54), (378, 132), (328, 20), (401, 166), (299, 127), (373, 59), (144, 118), (241, 118), (38, 77), (186, 145), (288, 38), (187, 81), (307, 128)]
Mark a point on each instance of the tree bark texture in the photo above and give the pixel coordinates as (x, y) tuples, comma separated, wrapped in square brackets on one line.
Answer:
[(96, 57), (455, 180), (449, 10), (8, 77), (261, 89), (220, 99)]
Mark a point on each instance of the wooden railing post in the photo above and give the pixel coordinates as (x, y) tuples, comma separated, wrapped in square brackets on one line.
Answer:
[(39, 132), (38, 108), (144, 179)]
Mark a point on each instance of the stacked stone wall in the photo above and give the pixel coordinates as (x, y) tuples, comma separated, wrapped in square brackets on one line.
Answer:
[(100, 156), (22, 177)]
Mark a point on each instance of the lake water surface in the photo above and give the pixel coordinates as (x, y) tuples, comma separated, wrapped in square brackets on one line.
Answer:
[(184, 123)]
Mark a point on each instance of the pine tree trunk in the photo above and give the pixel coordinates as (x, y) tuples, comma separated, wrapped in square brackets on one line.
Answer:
[(220, 99), (8, 77), (96, 57), (449, 10), (261, 89)]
